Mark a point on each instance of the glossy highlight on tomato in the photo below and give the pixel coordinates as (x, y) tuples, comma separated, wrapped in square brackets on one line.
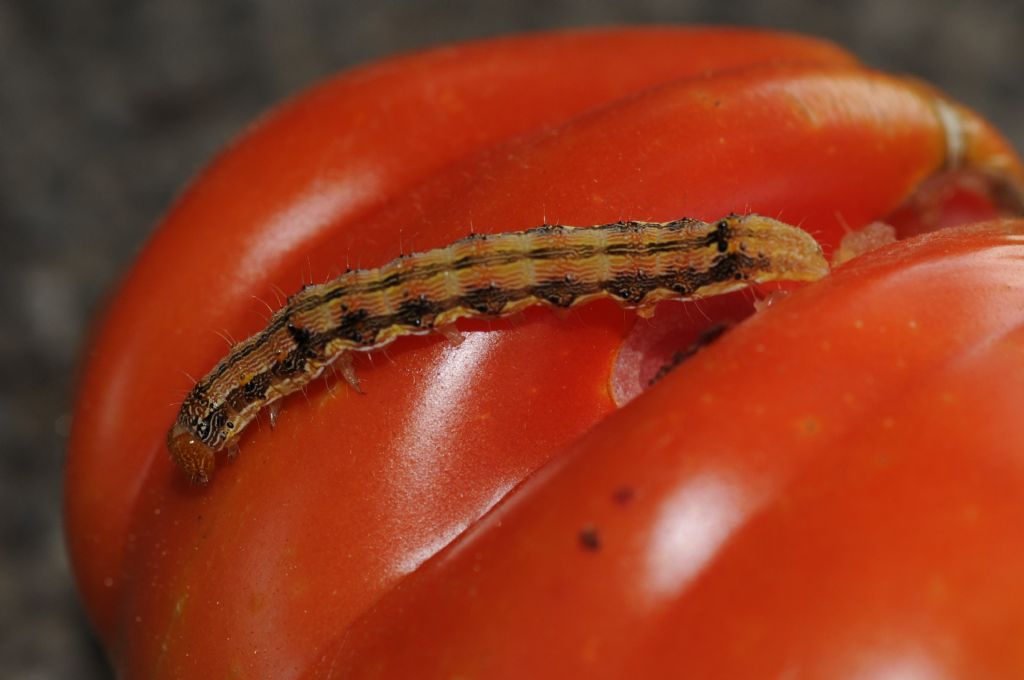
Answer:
[(484, 508)]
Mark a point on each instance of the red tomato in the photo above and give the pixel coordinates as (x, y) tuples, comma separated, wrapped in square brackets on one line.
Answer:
[(278, 567), (832, 490)]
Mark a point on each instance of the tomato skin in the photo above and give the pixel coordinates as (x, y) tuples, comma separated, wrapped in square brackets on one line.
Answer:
[(265, 212), (318, 519), (830, 487)]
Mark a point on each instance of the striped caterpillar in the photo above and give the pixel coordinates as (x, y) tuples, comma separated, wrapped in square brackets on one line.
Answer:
[(637, 264)]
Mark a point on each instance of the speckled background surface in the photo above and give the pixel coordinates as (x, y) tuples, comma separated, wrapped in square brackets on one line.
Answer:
[(108, 107)]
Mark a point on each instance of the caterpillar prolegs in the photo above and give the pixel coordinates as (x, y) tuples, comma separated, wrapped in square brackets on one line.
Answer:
[(637, 264)]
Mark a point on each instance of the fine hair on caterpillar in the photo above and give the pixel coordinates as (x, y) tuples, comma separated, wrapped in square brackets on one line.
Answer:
[(636, 264)]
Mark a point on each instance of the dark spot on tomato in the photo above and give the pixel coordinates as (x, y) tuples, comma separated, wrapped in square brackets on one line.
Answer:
[(623, 495), (590, 539)]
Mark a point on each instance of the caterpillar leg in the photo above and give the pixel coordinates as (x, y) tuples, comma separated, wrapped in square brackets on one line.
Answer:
[(761, 304), (273, 409), (452, 334), (345, 366), (646, 311)]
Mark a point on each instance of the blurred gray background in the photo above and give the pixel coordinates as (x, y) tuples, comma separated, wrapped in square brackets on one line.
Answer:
[(108, 107)]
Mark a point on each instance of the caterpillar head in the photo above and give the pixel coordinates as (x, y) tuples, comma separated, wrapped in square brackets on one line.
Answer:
[(195, 458)]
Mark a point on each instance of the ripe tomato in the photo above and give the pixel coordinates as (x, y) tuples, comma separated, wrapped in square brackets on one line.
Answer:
[(833, 489), (297, 559)]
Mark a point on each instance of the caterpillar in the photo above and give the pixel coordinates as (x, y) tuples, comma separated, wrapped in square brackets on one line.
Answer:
[(637, 264)]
